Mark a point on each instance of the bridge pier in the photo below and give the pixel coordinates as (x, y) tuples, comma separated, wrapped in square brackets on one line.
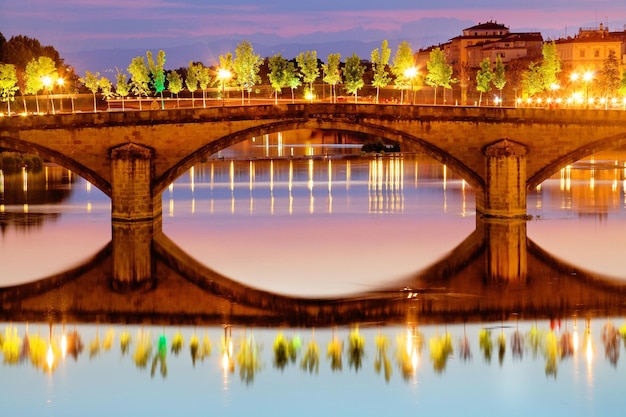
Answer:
[(506, 253), (505, 181), (135, 214)]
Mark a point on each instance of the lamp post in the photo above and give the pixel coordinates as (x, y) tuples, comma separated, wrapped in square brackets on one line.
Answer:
[(223, 75), (410, 73), (61, 83), (587, 77), (47, 82)]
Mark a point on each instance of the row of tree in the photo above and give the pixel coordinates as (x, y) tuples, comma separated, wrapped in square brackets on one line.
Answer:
[(147, 75)]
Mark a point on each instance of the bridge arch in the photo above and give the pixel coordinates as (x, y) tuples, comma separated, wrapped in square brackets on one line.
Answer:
[(371, 130), (605, 144), (58, 158)]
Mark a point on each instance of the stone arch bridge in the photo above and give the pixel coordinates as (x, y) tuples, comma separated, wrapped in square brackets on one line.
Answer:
[(133, 156)]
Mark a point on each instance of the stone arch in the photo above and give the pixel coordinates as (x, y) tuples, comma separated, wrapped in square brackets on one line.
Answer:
[(58, 158), (405, 139), (605, 144)]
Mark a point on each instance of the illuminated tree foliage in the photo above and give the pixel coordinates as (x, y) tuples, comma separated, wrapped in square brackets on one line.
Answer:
[(125, 340), (485, 343), (178, 341), (532, 79), (122, 88), (334, 352), (402, 60), (11, 345), (408, 352), (382, 361), (248, 359), (109, 337), (140, 77), (92, 83), (311, 358), (204, 79), (175, 85), (292, 78), (353, 73), (356, 349), (484, 76), (501, 347), (192, 79), (278, 74), (8, 84), (499, 76), (157, 73), (107, 90), (550, 65), (440, 351), (36, 71), (332, 74), (380, 62), (609, 79), (285, 350), (246, 65), (551, 352), (94, 346), (307, 63), (439, 72), (143, 350)]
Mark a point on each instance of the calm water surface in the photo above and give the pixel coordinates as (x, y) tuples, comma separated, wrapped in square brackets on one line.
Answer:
[(315, 227)]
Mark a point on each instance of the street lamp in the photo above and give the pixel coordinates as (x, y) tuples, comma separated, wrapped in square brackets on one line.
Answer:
[(47, 82), (587, 77), (223, 75), (410, 73), (61, 83)]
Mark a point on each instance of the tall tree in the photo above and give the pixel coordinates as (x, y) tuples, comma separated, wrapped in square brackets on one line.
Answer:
[(332, 74), (246, 66), (292, 78), (354, 75), (36, 72), (463, 72), (380, 61), (484, 76), (499, 76), (107, 90), (609, 77), (92, 83), (532, 79), (278, 74), (622, 86), (402, 61), (204, 79), (139, 78), (122, 88), (175, 84), (307, 63), (191, 81), (439, 71), (550, 65), (157, 73), (8, 84)]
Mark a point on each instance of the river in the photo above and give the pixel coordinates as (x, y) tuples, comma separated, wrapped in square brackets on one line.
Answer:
[(303, 215)]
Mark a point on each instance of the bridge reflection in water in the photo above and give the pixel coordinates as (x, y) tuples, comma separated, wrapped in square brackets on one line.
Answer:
[(495, 274)]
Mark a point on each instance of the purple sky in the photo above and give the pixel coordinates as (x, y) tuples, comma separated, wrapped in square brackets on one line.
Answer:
[(72, 26)]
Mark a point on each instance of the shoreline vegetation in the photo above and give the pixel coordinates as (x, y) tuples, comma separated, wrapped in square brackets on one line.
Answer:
[(12, 162)]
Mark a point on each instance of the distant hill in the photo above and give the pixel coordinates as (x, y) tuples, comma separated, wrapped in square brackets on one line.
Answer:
[(421, 34)]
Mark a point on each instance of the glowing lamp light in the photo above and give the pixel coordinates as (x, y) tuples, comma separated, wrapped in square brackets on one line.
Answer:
[(46, 80), (50, 357)]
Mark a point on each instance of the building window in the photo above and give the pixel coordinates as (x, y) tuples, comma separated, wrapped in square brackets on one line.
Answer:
[(596, 53), (582, 53)]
